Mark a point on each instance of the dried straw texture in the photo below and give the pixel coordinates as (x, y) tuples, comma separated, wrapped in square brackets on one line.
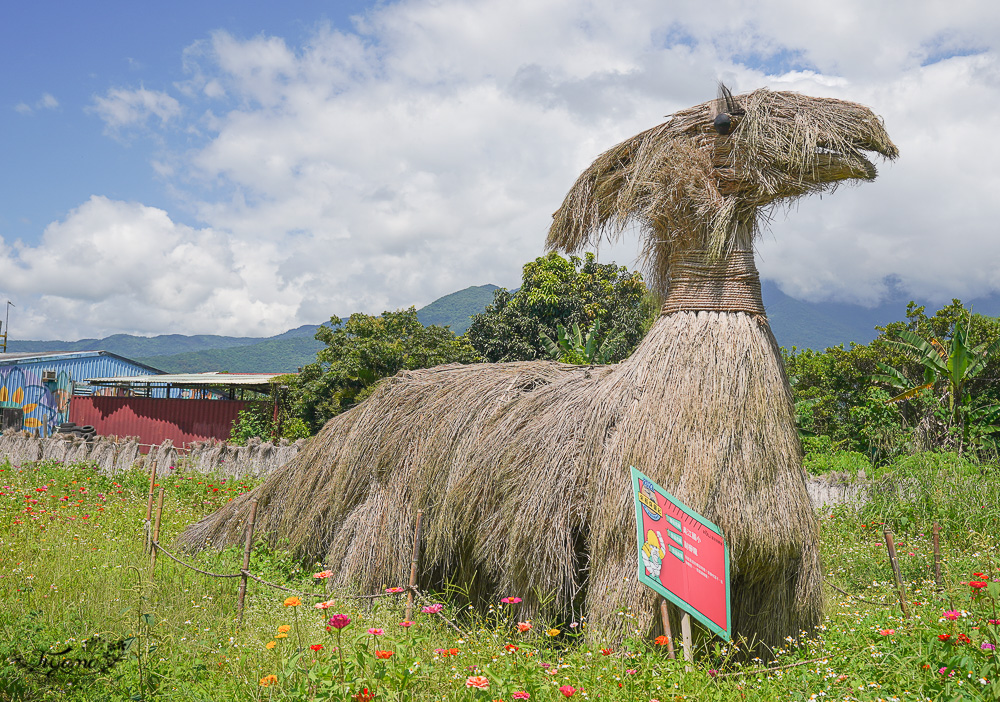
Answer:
[(522, 470), (690, 188)]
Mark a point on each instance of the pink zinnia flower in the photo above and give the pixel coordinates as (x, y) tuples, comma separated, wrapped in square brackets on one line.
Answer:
[(887, 632), (567, 690), (323, 605), (987, 646), (338, 621), (376, 632), (480, 682), (432, 609), (323, 574), (406, 624), (393, 590), (510, 600), (521, 696), (952, 614)]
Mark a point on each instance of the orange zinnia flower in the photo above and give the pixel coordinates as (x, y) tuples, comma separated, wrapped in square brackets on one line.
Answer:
[(383, 654), (662, 640), (524, 626), (293, 601), (268, 680)]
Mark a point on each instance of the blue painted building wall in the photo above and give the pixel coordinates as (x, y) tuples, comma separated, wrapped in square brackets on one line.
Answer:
[(46, 403)]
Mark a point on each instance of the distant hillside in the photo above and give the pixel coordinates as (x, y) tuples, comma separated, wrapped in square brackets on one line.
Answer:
[(275, 355), (456, 309), (136, 346), (819, 325), (794, 323)]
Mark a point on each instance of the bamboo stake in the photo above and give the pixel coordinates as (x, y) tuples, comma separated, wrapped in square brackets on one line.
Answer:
[(156, 535), (665, 618), (936, 530), (248, 544), (413, 565), (149, 507), (891, 547), (686, 637)]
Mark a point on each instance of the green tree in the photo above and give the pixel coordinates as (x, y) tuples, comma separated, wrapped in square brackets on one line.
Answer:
[(363, 350), (573, 347), (554, 291), (835, 397), (948, 372)]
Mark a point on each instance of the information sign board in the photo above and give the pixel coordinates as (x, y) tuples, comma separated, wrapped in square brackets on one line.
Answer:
[(682, 555)]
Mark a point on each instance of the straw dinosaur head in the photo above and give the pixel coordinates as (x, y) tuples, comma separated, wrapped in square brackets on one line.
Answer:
[(704, 179)]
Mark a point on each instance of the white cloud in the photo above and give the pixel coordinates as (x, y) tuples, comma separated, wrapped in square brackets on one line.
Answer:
[(112, 266), (425, 150), (125, 108), (46, 102)]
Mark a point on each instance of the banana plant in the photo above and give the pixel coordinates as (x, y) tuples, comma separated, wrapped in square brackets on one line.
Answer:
[(573, 347), (950, 367)]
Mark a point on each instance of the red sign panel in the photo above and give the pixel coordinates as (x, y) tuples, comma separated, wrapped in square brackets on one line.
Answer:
[(682, 555)]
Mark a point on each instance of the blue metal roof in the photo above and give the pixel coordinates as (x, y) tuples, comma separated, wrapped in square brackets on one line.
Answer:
[(92, 364)]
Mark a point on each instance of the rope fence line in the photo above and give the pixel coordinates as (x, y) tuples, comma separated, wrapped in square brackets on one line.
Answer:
[(859, 599), (153, 546), (756, 671), (245, 573), (172, 557)]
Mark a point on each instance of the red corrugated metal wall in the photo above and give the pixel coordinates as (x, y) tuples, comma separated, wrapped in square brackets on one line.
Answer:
[(156, 419)]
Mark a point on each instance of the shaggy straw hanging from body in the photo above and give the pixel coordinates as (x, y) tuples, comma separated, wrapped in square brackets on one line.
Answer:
[(522, 468)]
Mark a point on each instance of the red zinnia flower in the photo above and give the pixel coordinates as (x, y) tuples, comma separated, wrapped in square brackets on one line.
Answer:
[(944, 637), (317, 647)]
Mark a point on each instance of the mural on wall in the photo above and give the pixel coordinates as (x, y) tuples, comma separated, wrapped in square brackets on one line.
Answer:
[(45, 404)]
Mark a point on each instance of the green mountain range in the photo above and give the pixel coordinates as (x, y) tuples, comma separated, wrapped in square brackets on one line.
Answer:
[(794, 323), (283, 353)]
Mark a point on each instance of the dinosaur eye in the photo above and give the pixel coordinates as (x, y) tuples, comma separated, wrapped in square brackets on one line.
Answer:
[(723, 123)]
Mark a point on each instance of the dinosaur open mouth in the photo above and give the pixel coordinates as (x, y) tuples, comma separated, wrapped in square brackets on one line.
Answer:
[(833, 164)]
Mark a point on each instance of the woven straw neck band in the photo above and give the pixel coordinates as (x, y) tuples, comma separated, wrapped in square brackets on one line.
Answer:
[(698, 283)]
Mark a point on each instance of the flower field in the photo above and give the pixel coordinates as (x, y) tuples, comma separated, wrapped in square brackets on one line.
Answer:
[(81, 618)]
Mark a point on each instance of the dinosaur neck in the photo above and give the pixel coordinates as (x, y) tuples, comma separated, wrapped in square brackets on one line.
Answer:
[(699, 283)]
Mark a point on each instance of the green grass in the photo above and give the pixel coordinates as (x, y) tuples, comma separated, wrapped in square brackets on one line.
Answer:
[(73, 573)]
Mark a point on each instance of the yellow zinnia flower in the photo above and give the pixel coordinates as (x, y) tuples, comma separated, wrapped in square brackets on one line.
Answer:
[(553, 632), (284, 628)]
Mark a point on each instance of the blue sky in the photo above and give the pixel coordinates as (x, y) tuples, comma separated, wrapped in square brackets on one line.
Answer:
[(243, 168)]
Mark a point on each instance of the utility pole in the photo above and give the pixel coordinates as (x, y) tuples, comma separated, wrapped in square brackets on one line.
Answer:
[(7, 325)]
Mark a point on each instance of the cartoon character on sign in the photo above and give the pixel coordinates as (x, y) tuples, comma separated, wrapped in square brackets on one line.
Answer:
[(653, 552)]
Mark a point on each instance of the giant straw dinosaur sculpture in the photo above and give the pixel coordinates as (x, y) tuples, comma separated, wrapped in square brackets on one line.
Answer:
[(522, 468)]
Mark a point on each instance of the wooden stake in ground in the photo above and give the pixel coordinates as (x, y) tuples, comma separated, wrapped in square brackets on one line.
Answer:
[(248, 544), (149, 508), (686, 638), (413, 566), (665, 617), (156, 535), (935, 531), (891, 547)]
